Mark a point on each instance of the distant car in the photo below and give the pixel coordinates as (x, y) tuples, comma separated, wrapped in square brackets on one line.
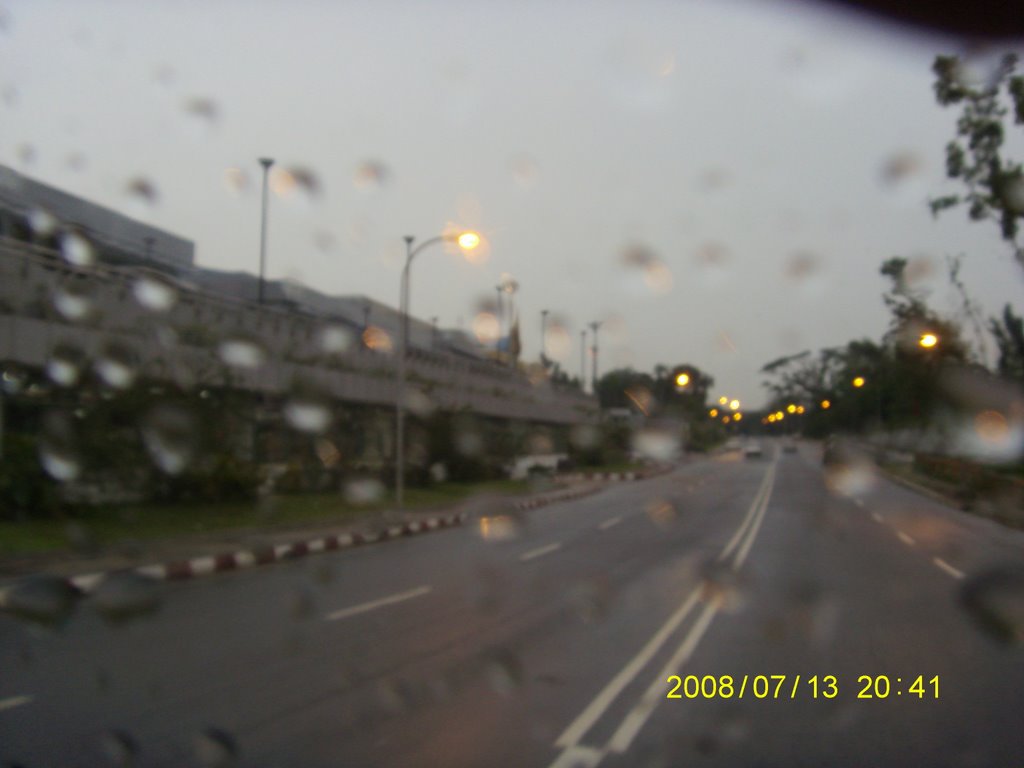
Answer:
[(752, 450), (789, 446)]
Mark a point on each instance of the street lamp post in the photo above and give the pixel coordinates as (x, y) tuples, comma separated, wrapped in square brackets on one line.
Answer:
[(266, 162), (593, 381), (467, 241), (543, 336), (583, 360)]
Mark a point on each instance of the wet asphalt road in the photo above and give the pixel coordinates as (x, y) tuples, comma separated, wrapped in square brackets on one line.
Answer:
[(549, 640)]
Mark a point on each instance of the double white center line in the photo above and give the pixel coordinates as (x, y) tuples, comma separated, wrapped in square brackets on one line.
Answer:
[(400, 597), (579, 755)]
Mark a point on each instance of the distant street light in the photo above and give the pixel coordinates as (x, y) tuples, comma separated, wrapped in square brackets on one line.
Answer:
[(467, 241), (734, 405), (928, 340), (858, 382), (825, 405), (682, 380), (266, 162)]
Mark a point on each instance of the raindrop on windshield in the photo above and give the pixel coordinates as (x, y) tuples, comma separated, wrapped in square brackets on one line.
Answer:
[(43, 599), (306, 415), (58, 462), (362, 491), (77, 250), (154, 295), (241, 353), (142, 192), (295, 184), (236, 180), (115, 367), (64, 366), (42, 222), (336, 339), (126, 595), (118, 747), (216, 748), (71, 304), (371, 175), (995, 600), (169, 434), (201, 114)]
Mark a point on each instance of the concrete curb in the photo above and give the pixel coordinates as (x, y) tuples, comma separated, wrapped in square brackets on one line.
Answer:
[(207, 565)]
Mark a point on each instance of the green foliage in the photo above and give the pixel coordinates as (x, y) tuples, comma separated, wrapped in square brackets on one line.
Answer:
[(1009, 335), (993, 184), (26, 491)]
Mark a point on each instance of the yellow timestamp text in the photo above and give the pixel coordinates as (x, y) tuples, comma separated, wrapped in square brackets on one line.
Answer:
[(799, 686)]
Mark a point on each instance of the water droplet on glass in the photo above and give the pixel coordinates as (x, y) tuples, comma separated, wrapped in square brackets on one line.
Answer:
[(154, 295), (364, 491), (71, 304), (13, 381), (657, 444), (524, 170), (216, 748), (852, 475), (370, 175), (995, 600), (43, 599), (661, 512), (438, 472), (118, 747), (42, 222), (125, 595), (721, 581), (901, 166), (63, 367), (116, 367), (236, 180), (295, 184), (26, 154), (504, 671), (590, 599), (241, 353), (325, 242), (202, 114), (142, 191), (77, 250), (469, 442), (498, 528), (377, 339), (336, 339), (307, 415), (169, 434), (417, 402), (59, 462), (486, 328)]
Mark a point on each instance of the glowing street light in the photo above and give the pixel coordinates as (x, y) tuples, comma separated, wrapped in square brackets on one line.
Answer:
[(826, 404), (737, 416), (734, 405), (928, 340), (790, 408), (779, 415), (723, 400), (682, 380), (713, 413), (800, 409), (858, 382), (467, 241)]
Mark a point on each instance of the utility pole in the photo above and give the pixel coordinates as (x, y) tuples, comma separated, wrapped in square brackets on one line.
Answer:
[(593, 381), (543, 337), (583, 360), (266, 162)]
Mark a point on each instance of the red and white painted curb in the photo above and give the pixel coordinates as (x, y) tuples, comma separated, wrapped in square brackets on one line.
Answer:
[(179, 570)]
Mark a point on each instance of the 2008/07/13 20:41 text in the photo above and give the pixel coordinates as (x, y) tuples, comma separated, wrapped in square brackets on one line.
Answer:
[(792, 686)]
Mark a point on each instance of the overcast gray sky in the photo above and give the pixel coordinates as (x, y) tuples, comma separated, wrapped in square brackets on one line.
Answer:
[(716, 182)]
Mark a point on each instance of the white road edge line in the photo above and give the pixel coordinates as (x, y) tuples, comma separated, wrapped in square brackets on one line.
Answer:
[(905, 539), (876, 517), (399, 597), (539, 552), (859, 502), (14, 701), (942, 564), (570, 737), (609, 523)]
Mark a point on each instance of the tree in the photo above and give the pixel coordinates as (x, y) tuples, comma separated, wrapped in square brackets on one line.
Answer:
[(994, 184), (1009, 335)]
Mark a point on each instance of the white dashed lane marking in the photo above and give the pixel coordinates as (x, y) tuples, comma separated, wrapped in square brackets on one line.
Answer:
[(609, 523), (905, 539), (400, 597), (943, 565), (14, 701), (540, 552)]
